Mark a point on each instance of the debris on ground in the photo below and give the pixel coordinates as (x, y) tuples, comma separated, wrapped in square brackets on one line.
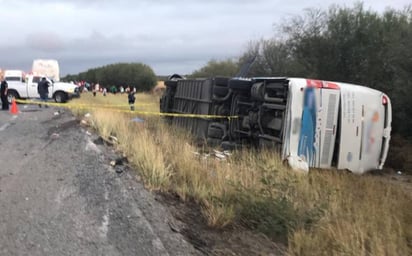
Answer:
[(119, 161), (137, 120), (113, 139), (54, 136), (218, 155)]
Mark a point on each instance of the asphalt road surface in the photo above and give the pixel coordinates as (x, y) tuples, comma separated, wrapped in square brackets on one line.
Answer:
[(59, 195)]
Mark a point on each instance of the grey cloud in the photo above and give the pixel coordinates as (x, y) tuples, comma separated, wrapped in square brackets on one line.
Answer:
[(45, 41), (170, 36)]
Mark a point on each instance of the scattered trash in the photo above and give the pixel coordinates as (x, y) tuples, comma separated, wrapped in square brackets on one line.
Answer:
[(88, 133), (216, 154), (87, 115), (399, 172), (219, 154), (56, 113), (118, 161), (137, 120), (113, 139), (55, 136), (297, 163), (84, 122), (227, 152), (174, 227)]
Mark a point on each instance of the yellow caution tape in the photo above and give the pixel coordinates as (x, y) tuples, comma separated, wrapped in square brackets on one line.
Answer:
[(98, 106), (81, 104)]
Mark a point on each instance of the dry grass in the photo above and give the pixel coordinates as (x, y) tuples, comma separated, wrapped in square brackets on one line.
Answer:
[(323, 213)]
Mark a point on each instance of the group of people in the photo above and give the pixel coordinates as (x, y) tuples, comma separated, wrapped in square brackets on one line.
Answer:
[(42, 89), (130, 93)]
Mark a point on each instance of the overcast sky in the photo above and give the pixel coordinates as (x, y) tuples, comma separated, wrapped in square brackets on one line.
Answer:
[(171, 36)]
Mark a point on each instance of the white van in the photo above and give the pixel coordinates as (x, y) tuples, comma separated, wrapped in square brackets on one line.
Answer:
[(47, 67)]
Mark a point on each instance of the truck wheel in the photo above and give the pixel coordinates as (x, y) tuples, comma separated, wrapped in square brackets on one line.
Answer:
[(60, 97), (221, 81), (12, 94), (220, 91), (258, 92), (216, 131), (240, 84)]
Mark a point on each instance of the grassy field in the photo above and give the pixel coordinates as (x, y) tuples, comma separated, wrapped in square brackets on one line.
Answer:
[(323, 213)]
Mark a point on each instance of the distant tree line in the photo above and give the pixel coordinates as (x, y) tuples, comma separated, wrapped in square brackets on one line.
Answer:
[(341, 44), (136, 75)]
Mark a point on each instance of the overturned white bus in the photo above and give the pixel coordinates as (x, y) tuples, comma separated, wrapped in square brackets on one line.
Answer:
[(321, 124)]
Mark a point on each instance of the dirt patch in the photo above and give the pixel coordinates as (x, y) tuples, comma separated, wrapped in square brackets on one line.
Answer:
[(63, 126), (234, 240)]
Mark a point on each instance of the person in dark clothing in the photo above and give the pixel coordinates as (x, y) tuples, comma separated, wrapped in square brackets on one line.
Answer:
[(3, 91), (131, 99), (43, 90)]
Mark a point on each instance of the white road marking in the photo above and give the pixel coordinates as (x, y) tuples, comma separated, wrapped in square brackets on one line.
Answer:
[(104, 228), (4, 127)]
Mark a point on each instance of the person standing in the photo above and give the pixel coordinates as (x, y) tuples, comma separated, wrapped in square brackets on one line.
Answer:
[(43, 90), (96, 88), (131, 98), (3, 91)]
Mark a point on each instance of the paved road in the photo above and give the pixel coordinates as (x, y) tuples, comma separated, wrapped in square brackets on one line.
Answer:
[(60, 196)]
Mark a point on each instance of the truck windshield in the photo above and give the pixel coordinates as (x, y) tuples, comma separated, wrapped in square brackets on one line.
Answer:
[(36, 79), (13, 78)]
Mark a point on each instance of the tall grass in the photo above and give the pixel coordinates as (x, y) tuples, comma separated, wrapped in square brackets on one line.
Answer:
[(323, 213)]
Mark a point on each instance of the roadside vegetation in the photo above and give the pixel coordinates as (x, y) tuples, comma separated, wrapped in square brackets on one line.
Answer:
[(325, 212)]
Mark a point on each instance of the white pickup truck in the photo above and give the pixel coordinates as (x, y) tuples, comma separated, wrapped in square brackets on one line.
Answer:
[(26, 88)]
